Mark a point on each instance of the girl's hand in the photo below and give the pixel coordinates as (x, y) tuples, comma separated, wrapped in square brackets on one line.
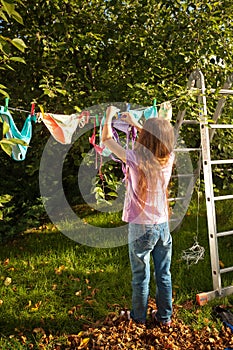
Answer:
[(111, 111), (128, 118)]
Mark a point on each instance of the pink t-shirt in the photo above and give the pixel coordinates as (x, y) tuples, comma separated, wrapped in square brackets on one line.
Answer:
[(154, 209)]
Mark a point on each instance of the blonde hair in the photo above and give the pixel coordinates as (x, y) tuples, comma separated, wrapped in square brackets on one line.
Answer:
[(153, 148)]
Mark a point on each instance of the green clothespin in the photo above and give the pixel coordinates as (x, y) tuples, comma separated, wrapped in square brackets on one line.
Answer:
[(6, 104), (155, 106), (97, 120)]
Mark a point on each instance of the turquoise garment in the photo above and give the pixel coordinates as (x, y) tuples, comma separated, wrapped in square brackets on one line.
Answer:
[(137, 114), (150, 112), (18, 151)]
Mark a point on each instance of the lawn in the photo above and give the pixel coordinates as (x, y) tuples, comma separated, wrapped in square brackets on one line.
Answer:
[(59, 294)]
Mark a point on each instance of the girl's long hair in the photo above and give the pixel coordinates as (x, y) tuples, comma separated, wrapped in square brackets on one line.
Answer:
[(153, 148)]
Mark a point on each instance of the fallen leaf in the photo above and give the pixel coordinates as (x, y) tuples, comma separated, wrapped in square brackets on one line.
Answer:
[(7, 281), (29, 304), (221, 264), (6, 261), (84, 342), (38, 330), (60, 269)]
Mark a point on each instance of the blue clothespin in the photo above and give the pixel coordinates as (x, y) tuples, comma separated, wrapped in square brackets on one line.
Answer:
[(6, 104), (127, 107)]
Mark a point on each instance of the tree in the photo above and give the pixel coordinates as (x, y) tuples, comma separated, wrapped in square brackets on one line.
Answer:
[(7, 10), (83, 53)]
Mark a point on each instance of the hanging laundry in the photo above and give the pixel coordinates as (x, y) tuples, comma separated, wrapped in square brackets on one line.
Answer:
[(137, 114), (165, 110), (150, 112), (18, 151), (83, 119), (105, 151), (61, 126)]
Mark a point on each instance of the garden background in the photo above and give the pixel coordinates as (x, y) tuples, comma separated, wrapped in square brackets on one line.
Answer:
[(67, 56)]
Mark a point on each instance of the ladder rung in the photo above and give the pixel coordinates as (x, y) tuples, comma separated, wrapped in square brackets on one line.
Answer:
[(220, 198), (176, 199), (227, 269), (222, 161), (174, 220), (223, 91), (225, 233), (186, 121), (186, 149), (221, 126), (183, 175)]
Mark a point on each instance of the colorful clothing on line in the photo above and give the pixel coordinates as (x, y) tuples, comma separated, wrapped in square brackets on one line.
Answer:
[(18, 151), (165, 111), (61, 126), (150, 112)]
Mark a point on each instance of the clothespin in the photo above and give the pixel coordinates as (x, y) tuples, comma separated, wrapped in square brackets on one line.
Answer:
[(127, 107), (6, 104), (33, 108), (97, 120), (154, 103), (155, 106), (42, 112)]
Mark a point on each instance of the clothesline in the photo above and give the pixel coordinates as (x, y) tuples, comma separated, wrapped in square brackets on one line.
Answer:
[(19, 110), (63, 126), (92, 116)]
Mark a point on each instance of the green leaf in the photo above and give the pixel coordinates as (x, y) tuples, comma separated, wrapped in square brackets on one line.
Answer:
[(8, 67), (4, 93), (6, 148), (19, 43), (18, 59), (112, 194), (8, 7), (3, 16), (13, 142), (6, 127), (5, 198), (3, 86), (17, 17)]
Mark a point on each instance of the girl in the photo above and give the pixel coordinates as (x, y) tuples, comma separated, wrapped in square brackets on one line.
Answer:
[(146, 210)]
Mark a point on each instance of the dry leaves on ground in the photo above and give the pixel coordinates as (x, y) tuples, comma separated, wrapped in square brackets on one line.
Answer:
[(118, 333)]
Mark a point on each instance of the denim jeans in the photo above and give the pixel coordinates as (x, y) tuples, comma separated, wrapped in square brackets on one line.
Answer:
[(144, 241)]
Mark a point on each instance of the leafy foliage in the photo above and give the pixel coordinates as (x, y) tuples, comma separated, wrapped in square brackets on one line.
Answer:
[(8, 11), (80, 54)]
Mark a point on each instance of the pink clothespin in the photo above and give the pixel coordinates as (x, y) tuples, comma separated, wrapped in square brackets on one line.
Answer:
[(83, 118), (33, 108)]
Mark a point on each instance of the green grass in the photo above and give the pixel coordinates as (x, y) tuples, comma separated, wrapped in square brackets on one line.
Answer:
[(59, 286)]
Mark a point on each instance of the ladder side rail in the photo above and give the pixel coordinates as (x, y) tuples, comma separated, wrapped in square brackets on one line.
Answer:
[(210, 204), (210, 207)]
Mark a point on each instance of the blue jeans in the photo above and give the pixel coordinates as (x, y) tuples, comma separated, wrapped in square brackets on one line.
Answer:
[(143, 240)]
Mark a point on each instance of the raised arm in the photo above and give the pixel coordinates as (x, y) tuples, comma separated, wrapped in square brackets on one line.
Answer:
[(107, 139)]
